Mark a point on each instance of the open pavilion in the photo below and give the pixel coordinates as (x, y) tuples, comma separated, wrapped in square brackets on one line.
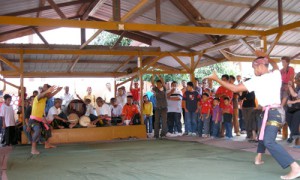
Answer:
[(181, 35)]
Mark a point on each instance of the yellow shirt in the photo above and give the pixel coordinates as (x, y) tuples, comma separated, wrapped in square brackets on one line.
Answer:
[(92, 98), (38, 107), (148, 109)]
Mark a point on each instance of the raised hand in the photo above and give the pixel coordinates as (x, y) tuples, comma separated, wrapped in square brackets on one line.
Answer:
[(213, 76)]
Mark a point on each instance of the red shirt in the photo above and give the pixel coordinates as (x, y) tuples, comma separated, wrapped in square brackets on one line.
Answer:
[(227, 92), (286, 76), (205, 106), (129, 111), (228, 108), (135, 94)]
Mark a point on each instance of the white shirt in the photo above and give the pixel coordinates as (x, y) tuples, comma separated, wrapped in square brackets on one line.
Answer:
[(117, 111), (53, 111), (266, 88), (66, 99), (104, 110), (107, 96), (8, 113), (122, 100), (175, 106), (89, 110)]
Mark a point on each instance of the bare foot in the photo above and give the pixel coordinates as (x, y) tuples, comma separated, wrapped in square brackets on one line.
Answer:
[(258, 160), (49, 146), (35, 152), (293, 174)]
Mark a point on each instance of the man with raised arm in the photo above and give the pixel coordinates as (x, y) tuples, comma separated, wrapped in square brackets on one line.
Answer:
[(37, 121), (266, 86)]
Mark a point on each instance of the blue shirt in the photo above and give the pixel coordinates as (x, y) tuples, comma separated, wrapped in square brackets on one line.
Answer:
[(49, 104)]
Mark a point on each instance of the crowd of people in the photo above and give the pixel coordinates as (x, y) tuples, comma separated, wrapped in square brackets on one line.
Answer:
[(194, 109)]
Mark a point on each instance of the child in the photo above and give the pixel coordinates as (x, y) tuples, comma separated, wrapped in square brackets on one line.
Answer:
[(205, 106), (9, 123), (148, 113), (216, 117), (190, 104), (227, 117), (129, 110)]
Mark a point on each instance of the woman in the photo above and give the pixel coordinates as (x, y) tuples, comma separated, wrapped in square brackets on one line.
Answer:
[(292, 116)]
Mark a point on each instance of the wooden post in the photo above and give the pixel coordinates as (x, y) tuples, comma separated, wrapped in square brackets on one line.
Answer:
[(22, 115), (139, 61), (115, 87)]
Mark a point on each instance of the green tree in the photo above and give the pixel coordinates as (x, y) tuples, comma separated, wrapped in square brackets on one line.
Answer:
[(109, 39)]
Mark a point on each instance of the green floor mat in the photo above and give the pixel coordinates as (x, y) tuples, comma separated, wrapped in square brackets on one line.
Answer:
[(144, 160)]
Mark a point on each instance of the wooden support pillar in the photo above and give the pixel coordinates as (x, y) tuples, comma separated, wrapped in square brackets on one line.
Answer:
[(157, 11), (115, 87), (192, 77), (82, 36), (263, 43), (22, 87), (116, 10), (139, 61)]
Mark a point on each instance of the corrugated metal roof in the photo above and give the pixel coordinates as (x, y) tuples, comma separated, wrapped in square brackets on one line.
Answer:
[(225, 12)]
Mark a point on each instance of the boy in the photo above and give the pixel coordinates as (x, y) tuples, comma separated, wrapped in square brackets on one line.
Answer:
[(9, 123), (116, 111), (190, 104), (205, 106), (129, 110), (227, 117), (216, 117)]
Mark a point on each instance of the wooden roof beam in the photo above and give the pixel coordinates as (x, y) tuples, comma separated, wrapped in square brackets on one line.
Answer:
[(157, 12), (40, 36), (27, 21), (10, 64), (124, 63), (57, 9), (280, 16), (182, 7), (92, 8), (41, 4)]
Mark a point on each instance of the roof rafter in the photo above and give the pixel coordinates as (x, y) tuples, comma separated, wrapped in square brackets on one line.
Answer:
[(57, 9)]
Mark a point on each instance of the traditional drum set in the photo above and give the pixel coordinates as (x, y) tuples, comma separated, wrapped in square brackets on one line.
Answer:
[(76, 110)]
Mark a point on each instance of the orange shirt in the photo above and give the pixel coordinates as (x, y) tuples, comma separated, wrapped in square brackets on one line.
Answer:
[(129, 111), (205, 106), (227, 92), (135, 94)]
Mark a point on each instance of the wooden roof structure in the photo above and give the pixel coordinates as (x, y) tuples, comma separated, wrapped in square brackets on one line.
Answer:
[(181, 35)]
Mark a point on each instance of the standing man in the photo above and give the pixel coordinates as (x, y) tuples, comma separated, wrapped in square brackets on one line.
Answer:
[(161, 107), (174, 109), (135, 92), (266, 86), (90, 96), (184, 86), (66, 99), (108, 94), (235, 105), (37, 120)]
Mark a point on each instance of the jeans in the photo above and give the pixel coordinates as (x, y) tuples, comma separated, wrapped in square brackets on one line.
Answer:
[(160, 113), (241, 120), (228, 127), (269, 143), (148, 123), (206, 123), (36, 127), (191, 121), (293, 122), (216, 129), (174, 124)]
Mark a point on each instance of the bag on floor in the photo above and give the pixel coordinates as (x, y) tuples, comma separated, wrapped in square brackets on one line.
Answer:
[(136, 119)]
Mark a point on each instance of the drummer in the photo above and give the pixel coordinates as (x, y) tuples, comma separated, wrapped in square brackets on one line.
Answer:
[(103, 111), (57, 117)]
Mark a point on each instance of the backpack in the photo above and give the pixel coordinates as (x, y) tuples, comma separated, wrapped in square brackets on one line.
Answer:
[(136, 119)]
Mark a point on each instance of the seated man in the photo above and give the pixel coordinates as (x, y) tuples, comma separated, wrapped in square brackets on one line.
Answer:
[(129, 110), (103, 111), (57, 117), (116, 111)]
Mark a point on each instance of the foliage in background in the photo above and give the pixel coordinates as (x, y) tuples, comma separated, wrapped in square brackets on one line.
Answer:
[(109, 39)]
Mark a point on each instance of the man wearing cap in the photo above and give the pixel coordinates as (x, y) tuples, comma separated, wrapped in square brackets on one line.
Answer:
[(266, 86)]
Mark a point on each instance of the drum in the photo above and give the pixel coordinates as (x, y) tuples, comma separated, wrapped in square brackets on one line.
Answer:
[(73, 118), (76, 106), (84, 121)]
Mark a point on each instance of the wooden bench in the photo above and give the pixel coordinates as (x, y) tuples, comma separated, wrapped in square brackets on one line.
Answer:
[(77, 135)]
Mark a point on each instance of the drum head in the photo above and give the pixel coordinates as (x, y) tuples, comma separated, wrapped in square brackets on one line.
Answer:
[(84, 121), (73, 118)]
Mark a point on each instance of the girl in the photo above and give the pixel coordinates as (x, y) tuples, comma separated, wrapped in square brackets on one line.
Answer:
[(148, 113)]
